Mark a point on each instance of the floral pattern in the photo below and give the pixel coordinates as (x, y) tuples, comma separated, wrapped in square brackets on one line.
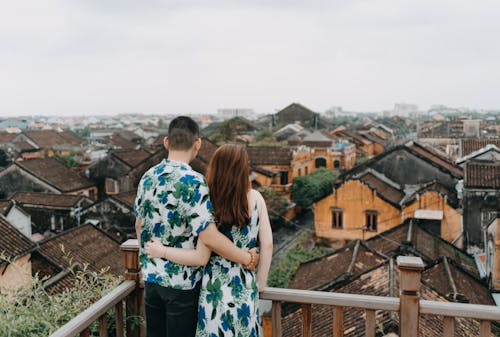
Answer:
[(228, 303), (173, 204)]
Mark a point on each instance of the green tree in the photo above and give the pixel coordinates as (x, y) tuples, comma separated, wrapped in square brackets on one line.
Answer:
[(308, 189), (281, 274), (276, 205)]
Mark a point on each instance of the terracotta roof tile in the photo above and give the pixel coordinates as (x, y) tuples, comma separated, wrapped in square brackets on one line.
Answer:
[(6, 137), (335, 267), (84, 245), (384, 190), (50, 139), (132, 158), (467, 146), (12, 242), (377, 283), (207, 150), (437, 159), (467, 286), (55, 173), (269, 155), (119, 142), (482, 175), (47, 199), (126, 198)]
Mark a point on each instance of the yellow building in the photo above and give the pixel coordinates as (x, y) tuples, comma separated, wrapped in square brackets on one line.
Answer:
[(370, 203)]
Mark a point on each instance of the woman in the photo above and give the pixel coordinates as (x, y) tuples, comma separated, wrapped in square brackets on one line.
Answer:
[(228, 304)]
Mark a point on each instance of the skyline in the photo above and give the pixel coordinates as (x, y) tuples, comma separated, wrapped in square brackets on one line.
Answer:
[(102, 58)]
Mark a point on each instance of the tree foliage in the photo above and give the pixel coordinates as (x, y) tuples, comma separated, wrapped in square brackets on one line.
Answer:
[(69, 160), (276, 205), (282, 273), (308, 189), (34, 312)]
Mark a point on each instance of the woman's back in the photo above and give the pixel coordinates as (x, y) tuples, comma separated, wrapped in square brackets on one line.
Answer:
[(228, 303)]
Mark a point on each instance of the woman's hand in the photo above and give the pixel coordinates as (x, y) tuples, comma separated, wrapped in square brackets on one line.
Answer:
[(155, 248)]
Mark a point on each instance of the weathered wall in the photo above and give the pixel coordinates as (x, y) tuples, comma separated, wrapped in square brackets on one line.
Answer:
[(18, 274)]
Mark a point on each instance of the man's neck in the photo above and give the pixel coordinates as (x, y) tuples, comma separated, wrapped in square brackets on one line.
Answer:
[(183, 156)]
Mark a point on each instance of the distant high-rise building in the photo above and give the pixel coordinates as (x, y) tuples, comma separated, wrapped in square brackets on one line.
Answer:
[(405, 110)]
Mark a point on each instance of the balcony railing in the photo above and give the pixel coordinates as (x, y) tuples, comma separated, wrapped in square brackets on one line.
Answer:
[(408, 305)]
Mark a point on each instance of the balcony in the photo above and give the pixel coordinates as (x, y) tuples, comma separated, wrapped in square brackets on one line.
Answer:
[(409, 306)]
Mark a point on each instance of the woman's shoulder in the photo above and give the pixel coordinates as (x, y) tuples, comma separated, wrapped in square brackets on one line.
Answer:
[(259, 199)]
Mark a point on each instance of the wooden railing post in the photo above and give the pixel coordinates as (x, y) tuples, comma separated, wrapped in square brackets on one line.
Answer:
[(410, 269), (130, 251)]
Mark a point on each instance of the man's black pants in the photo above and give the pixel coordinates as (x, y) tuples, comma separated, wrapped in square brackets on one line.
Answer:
[(170, 312)]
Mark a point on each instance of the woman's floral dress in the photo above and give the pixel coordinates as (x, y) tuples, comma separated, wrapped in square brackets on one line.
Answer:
[(229, 301)]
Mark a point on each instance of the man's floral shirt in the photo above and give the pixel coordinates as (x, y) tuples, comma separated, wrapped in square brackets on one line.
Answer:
[(174, 205)]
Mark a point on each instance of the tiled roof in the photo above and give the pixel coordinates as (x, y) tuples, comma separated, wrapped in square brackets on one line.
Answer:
[(351, 260), (55, 173), (50, 139), (24, 146), (470, 145), (436, 158), (376, 282), (451, 281), (384, 190), (6, 137), (132, 158), (429, 246), (119, 142), (269, 155), (12, 242), (482, 175), (84, 245), (348, 262), (207, 149), (4, 206), (46, 199), (356, 138), (126, 198)]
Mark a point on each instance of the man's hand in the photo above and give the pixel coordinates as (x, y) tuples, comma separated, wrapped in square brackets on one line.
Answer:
[(254, 261), (155, 248)]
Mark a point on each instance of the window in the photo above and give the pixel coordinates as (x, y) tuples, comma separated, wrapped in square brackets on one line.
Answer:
[(320, 162), (112, 186), (300, 172), (337, 218), (336, 163), (371, 220), (284, 177), (307, 170)]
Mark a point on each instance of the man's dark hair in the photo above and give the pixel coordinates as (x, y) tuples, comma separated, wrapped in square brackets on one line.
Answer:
[(182, 133)]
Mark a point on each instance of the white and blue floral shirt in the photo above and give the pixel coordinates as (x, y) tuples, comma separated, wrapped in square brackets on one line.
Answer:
[(173, 203)]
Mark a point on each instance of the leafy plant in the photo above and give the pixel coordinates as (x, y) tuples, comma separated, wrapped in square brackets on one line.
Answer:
[(282, 273), (276, 205), (308, 189), (35, 312)]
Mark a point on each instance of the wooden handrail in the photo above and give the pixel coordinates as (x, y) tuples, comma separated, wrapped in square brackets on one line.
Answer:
[(333, 299), (464, 310), (96, 310)]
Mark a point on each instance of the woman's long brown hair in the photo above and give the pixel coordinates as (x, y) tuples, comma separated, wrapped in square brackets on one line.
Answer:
[(229, 183)]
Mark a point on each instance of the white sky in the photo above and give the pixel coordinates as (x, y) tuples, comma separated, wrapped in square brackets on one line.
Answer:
[(184, 56)]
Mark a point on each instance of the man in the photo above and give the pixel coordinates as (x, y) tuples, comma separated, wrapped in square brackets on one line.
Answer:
[(173, 204)]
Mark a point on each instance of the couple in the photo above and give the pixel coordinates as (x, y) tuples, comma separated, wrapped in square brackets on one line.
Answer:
[(181, 220)]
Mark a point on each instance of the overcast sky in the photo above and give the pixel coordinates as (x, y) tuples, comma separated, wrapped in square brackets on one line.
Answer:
[(183, 56)]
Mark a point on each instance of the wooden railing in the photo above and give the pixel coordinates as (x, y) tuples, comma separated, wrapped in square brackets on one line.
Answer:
[(408, 305), (129, 293)]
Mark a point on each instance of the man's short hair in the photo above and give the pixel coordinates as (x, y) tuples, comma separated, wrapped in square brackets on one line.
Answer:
[(182, 133)]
